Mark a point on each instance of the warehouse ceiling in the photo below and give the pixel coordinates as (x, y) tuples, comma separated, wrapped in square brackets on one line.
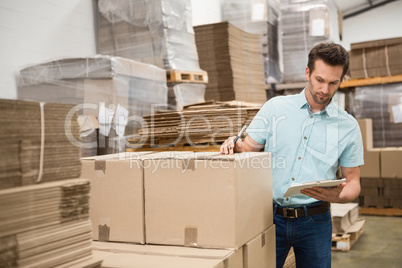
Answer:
[(352, 8)]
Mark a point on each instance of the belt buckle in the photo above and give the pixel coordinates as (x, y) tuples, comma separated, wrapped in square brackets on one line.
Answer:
[(285, 213)]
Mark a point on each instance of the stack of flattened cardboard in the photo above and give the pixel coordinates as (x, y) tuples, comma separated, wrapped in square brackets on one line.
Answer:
[(46, 225), (194, 126), (234, 62), (35, 143), (44, 219), (376, 58), (304, 24), (182, 203)]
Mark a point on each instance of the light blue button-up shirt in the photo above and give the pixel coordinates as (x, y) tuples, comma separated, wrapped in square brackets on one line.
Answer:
[(305, 146)]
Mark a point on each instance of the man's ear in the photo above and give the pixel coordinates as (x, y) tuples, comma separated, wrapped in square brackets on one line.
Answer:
[(307, 73)]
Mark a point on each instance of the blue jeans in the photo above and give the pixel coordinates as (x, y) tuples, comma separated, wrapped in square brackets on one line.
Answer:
[(310, 237)]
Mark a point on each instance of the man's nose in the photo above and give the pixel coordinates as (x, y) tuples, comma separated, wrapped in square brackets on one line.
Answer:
[(325, 89)]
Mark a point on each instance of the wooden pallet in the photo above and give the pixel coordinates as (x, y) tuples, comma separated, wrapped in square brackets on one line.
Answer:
[(345, 242), (371, 81), (380, 211), (178, 76)]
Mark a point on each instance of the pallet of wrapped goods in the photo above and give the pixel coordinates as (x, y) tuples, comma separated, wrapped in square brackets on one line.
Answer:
[(382, 104), (117, 91), (304, 24), (258, 17), (151, 32), (234, 62)]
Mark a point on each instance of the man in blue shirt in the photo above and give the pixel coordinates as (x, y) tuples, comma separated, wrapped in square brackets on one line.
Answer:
[(310, 136)]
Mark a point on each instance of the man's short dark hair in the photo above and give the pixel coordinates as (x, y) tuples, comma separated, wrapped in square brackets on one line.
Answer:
[(331, 53)]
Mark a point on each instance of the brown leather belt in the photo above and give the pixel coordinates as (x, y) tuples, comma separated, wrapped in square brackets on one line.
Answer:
[(289, 212)]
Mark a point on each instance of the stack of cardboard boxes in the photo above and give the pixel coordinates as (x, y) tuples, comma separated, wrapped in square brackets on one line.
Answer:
[(381, 174), (376, 58), (44, 206), (207, 206)]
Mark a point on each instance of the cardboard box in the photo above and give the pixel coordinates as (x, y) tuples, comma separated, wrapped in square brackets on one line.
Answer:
[(393, 188), (376, 201), (261, 251), (128, 255), (117, 196), (366, 128), (371, 167), (391, 167), (372, 182), (207, 199)]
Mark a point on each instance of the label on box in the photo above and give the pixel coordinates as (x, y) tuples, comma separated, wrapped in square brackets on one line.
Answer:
[(397, 113)]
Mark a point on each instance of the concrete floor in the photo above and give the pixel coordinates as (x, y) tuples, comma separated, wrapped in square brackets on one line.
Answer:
[(380, 245)]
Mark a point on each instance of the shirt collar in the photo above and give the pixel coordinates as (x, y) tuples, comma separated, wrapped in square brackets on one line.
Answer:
[(330, 109)]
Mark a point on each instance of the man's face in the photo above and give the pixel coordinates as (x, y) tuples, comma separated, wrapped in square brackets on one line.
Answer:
[(323, 82)]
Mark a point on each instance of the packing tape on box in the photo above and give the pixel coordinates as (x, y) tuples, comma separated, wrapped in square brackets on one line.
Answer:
[(188, 164), (100, 165), (190, 236), (387, 60), (42, 140), (103, 233), (263, 240), (364, 63)]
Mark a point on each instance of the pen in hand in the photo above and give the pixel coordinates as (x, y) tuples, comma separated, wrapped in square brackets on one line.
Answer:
[(238, 135)]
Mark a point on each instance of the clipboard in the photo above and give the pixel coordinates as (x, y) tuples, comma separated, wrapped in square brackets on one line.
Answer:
[(295, 188)]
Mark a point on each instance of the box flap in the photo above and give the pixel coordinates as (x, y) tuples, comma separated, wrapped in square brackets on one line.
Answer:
[(356, 226), (118, 156), (163, 250)]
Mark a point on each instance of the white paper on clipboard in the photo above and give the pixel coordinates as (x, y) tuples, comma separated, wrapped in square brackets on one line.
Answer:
[(295, 188)]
